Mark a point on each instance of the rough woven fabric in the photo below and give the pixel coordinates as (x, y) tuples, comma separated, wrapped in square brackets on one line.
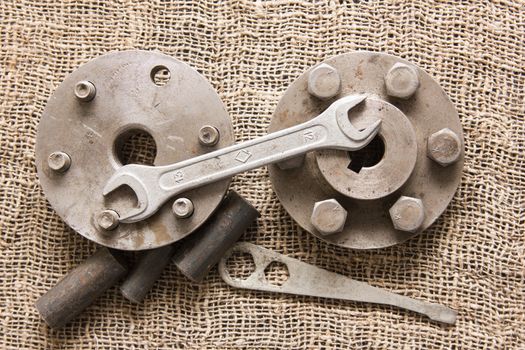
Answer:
[(472, 259)]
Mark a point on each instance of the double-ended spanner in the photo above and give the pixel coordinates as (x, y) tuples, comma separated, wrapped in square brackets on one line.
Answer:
[(154, 185)]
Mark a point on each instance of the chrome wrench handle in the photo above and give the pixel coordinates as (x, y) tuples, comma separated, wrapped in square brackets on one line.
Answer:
[(153, 186)]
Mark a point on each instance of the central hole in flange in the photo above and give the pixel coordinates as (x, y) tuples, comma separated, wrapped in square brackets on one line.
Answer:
[(367, 156), (136, 147)]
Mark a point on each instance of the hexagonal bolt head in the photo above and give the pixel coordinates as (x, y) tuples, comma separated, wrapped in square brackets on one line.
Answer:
[(107, 219), (401, 81), (182, 208), (407, 214), (291, 163), (444, 147), (85, 90), (324, 82), (59, 161), (209, 135), (328, 217)]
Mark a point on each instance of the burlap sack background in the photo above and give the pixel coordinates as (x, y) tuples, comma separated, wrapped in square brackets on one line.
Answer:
[(472, 259)]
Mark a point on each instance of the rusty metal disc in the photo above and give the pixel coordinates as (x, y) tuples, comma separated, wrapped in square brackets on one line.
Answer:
[(393, 165), (121, 94)]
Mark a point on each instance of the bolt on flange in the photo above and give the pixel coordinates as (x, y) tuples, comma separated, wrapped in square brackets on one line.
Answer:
[(407, 214), (209, 135), (59, 161), (444, 147), (328, 217), (401, 81), (85, 91), (324, 82), (107, 219), (182, 208)]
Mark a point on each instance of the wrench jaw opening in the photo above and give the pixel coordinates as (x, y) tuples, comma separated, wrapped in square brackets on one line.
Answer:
[(358, 138), (130, 175), (366, 136)]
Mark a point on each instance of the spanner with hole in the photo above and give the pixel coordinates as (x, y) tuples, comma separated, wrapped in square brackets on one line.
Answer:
[(309, 280), (154, 185)]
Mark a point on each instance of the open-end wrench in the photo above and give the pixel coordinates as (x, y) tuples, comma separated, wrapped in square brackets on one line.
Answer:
[(154, 185), (306, 279)]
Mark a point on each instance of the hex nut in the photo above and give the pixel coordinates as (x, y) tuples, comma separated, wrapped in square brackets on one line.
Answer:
[(328, 217), (182, 208), (444, 147), (407, 214), (401, 81), (85, 90), (108, 219), (59, 161), (324, 81), (209, 135), (291, 163)]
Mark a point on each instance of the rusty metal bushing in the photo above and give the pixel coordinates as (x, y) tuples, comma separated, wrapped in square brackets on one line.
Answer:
[(81, 286)]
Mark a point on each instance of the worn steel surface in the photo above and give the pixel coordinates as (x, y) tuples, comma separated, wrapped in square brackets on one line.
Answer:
[(154, 185), (199, 252), (401, 168), (305, 279), (118, 94), (146, 272), (81, 286)]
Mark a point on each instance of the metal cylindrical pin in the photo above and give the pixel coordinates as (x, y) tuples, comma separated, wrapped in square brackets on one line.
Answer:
[(107, 219), (209, 135), (146, 271), (85, 90), (81, 286), (182, 208), (59, 161), (203, 249)]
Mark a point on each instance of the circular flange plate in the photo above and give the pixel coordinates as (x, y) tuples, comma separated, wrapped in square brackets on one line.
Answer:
[(404, 169), (128, 99)]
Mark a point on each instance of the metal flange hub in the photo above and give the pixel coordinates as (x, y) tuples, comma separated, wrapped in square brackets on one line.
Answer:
[(91, 115), (398, 184)]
